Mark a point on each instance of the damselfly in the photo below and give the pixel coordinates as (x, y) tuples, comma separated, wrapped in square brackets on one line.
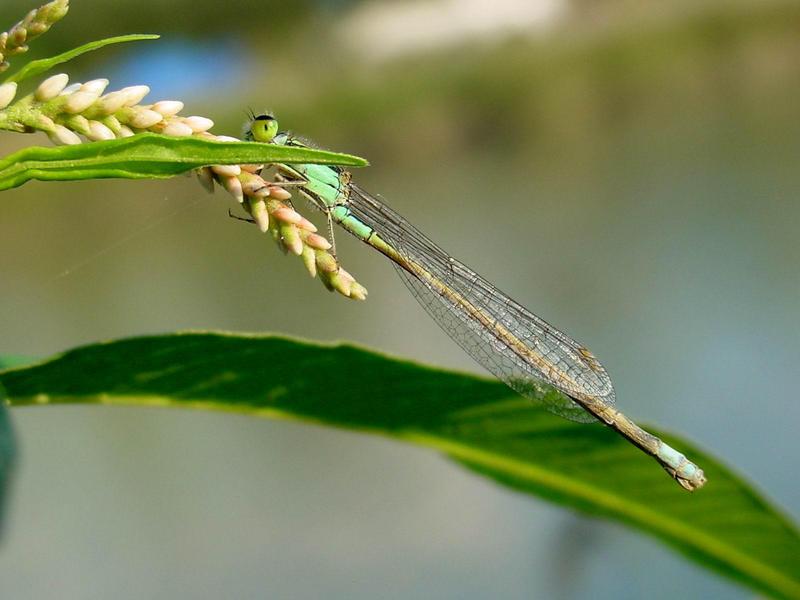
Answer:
[(511, 342)]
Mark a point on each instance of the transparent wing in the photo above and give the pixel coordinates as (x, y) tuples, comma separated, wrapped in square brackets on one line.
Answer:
[(534, 353)]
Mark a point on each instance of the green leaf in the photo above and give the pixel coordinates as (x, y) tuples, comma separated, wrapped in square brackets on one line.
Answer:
[(37, 67), (726, 526), (150, 156)]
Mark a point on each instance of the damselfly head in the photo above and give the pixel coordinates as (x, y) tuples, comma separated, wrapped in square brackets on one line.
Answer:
[(261, 128)]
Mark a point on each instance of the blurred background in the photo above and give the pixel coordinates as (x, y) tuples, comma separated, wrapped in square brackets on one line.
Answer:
[(628, 170)]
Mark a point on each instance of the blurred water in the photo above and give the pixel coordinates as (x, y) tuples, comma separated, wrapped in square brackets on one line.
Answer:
[(182, 68), (661, 233)]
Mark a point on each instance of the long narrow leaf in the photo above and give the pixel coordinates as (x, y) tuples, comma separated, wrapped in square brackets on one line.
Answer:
[(726, 526), (150, 156), (37, 67)]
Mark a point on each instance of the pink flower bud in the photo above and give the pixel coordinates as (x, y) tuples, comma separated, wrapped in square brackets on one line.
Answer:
[(318, 242)]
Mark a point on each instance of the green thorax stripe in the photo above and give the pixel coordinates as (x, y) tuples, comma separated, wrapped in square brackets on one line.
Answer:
[(324, 183), (328, 187)]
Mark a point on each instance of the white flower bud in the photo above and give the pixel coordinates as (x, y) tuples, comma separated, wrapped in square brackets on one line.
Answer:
[(199, 123), (51, 87), (125, 131), (111, 103), (7, 93), (79, 101), (168, 108), (177, 129), (98, 132), (134, 94), (70, 89), (226, 170), (95, 86), (226, 138), (63, 136), (144, 118), (234, 187)]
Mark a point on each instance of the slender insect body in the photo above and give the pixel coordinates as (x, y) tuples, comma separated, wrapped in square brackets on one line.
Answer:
[(518, 347)]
